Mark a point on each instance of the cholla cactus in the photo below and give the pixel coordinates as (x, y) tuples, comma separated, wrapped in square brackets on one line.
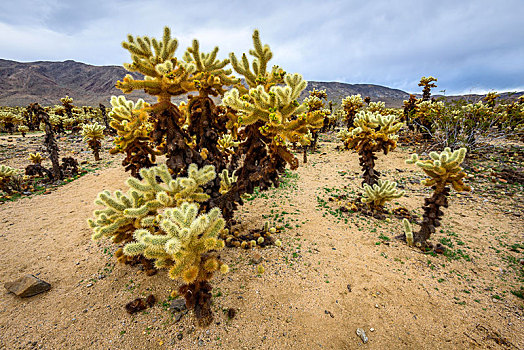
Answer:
[(163, 216), (140, 205), (443, 169), (376, 107), (92, 134), (226, 181), (427, 84), (426, 113), (8, 120), (6, 175), (490, 98), (23, 129), (350, 106), (381, 192), (36, 158), (373, 132)]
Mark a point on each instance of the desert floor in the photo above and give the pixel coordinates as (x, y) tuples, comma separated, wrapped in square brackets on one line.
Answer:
[(334, 273)]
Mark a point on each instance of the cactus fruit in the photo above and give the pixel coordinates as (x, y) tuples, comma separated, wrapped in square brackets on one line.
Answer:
[(381, 192), (252, 239), (92, 134), (443, 169)]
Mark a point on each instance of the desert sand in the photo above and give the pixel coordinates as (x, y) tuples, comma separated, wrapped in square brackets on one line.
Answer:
[(334, 273)]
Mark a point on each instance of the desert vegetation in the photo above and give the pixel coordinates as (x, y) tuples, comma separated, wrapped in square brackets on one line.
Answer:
[(220, 171)]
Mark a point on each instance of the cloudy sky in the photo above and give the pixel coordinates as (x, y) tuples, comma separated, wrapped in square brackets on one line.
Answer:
[(469, 45)]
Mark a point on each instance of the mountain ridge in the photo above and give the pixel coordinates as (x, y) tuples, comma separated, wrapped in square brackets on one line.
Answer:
[(46, 82)]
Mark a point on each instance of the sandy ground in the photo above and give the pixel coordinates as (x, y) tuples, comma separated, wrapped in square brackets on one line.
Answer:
[(334, 273)]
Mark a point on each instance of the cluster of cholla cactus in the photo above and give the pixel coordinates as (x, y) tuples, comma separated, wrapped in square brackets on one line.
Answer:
[(373, 132), (160, 218), (93, 134), (443, 169), (180, 209), (316, 105)]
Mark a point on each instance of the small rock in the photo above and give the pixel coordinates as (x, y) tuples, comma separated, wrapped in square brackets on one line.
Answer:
[(180, 336), (372, 329), (376, 305), (27, 286), (256, 258), (179, 315), (349, 288), (177, 305), (89, 285), (362, 335)]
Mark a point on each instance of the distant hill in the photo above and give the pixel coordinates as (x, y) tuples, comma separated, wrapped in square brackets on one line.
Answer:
[(46, 82)]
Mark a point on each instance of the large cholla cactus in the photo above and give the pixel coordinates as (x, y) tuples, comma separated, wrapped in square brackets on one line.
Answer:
[(381, 192), (93, 134), (443, 169), (139, 206), (6, 175), (373, 132)]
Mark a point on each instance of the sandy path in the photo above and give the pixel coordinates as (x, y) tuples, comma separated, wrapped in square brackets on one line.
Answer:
[(301, 301)]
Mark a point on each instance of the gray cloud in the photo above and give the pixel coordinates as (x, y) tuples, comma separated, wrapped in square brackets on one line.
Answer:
[(474, 45)]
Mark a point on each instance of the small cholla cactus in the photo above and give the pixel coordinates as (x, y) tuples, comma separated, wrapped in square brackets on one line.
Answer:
[(36, 158), (6, 175), (23, 129), (443, 169), (381, 192), (92, 134)]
